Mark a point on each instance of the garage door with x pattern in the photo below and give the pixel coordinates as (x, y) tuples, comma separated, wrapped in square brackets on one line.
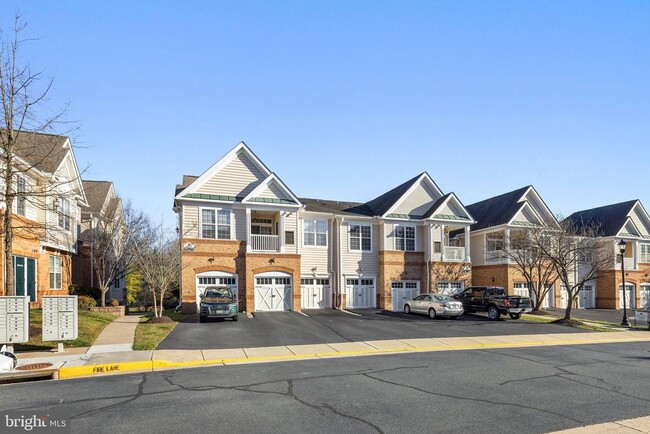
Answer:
[(273, 293)]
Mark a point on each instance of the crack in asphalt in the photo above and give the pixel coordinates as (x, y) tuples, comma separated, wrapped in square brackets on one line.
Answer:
[(132, 398), (465, 398)]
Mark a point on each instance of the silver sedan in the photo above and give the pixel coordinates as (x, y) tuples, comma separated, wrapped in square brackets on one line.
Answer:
[(434, 305)]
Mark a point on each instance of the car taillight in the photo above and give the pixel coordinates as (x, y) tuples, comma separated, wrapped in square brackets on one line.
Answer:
[(506, 302)]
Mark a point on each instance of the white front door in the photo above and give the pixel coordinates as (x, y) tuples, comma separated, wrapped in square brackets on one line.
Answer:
[(564, 297), (587, 298), (315, 293), (645, 295), (214, 278), (360, 293), (403, 291), (549, 299), (451, 287), (273, 293), (629, 295)]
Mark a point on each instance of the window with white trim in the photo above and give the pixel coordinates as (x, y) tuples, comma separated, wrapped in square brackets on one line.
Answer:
[(217, 281), (63, 212), (495, 241), (360, 237), (644, 253), (404, 238), (21, 189), (215, 224), (55, 272), (315, 233)]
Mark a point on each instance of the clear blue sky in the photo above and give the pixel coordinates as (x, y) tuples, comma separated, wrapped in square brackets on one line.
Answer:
[(347, 99)]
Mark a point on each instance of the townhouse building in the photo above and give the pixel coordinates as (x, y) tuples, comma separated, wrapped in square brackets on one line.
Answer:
[(627, 221), (46, 214), (103, 204), (498, 218), (241, 226)]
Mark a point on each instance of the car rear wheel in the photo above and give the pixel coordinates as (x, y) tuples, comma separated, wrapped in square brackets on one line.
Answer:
[(493, 313), (432, 313), (407, 309), (515, 315), (202, 318)]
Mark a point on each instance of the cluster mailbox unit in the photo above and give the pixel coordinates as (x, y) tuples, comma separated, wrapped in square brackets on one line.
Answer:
[(14, 320), (60, 321)]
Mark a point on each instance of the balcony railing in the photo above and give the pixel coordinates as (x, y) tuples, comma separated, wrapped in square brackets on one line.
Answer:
[(495, 256), (629, 262), (265, 243), (454, 253)]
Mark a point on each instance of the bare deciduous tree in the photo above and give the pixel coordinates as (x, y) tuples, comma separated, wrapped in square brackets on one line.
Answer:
[(449, 271), (526, 251), (112, 239), (578, 254), (157, 257), (22, 94)]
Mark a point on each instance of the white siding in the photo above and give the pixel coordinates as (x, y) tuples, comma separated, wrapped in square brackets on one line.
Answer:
[(353, 260), (389, 241), (640, 222), (477, 249), (418, 201), (451, 208), (238, 220), (191, 221), (310, 256), (272, 191), (237, 178), (290, 226)]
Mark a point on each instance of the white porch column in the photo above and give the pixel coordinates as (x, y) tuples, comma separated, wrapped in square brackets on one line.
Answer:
[(281, 230), (507, 240), (467, 245), (442, 243), (636, 255), (248, 230)]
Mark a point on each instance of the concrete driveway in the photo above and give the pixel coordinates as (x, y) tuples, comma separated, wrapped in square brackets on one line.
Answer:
[(331, 326)]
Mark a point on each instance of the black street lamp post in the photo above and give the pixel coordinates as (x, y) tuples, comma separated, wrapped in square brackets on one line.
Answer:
[(621, 248)]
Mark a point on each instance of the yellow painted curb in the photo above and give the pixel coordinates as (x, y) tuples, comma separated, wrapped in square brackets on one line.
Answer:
[(105, 368), (151, 365)]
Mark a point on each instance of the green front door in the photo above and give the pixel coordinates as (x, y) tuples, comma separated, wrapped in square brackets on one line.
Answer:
[(25, 276)]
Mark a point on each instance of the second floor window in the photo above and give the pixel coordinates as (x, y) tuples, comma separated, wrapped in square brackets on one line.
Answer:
[(405, 238), (495, 242), (315, 233), (360, 237), (645, 253), (20, 195), (63, 212), (215, 224)]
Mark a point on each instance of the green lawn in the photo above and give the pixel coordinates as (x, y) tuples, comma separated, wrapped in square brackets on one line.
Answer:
[(91, 325), (148, 336)]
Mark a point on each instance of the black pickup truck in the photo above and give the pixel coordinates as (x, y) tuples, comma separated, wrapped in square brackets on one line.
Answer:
[(494, 301)]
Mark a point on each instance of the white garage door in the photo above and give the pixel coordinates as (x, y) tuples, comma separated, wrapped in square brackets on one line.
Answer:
[(629, 295), (645, 295), (451, 287), (315, 293), (564, 297), (587, 297), (273, 292), (214, 278), (403, 291), (360, 293)]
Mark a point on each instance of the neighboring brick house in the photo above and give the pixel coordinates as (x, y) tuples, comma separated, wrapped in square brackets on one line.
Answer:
[(103, 203), (242, 226), (46, 214), (627, 221), (496, 218)]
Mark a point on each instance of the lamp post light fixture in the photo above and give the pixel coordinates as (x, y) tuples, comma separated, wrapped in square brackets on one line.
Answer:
[(621, 248)]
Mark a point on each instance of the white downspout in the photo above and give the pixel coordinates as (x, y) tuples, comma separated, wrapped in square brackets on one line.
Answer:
[(340, 262), (334, 288)]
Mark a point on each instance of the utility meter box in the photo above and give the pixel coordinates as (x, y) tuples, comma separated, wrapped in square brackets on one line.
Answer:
[(14, 319), (60, 318)]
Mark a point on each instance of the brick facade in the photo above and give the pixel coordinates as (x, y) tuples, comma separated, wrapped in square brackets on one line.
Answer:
[(607, 292), (398, 265)]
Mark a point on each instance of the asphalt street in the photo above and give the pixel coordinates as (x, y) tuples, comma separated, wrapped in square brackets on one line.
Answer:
[(515, 390), (330, 326)]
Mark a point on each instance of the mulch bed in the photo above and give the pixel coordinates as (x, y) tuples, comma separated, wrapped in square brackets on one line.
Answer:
[(160, 320), (570, 323)]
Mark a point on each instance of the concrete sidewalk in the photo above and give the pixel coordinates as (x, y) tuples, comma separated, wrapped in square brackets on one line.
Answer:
[(116, 362), (117, 336)]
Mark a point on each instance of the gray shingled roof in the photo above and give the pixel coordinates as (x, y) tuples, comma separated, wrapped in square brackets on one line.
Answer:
[(380, 205), (187, 180), (336, 207), (42, 151), (496, 210), (96, 192), (609, 219)]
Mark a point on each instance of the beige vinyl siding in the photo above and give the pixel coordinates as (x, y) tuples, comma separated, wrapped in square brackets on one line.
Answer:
[(311, 257), (272, 191), (389, 240), (191, 222), (238, 222), (290, 226), (477, 249), (237, 178), (451, 208), (640, 223), (526, 216), (418, 201), (352, 260)]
